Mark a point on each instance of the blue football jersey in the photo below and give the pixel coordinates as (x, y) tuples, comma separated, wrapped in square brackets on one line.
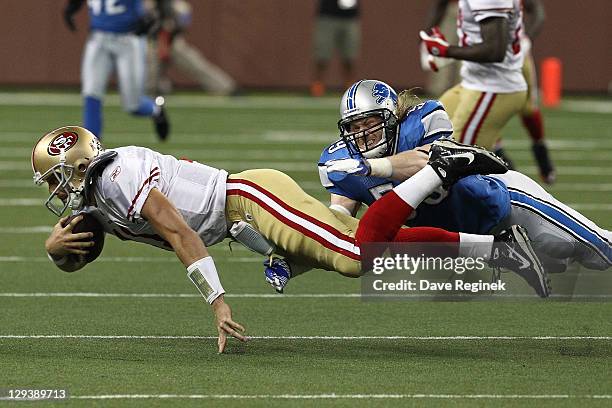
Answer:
[(117, 16), (474, 204)]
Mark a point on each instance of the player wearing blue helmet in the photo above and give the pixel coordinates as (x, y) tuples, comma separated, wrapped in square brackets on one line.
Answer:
[(116, 42), (385, 139), (389, 138), (358, 169)]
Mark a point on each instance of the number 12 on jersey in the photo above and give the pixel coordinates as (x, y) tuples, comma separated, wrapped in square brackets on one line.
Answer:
[(109, 7)]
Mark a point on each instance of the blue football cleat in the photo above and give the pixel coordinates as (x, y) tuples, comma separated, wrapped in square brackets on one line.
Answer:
[(278, 273)]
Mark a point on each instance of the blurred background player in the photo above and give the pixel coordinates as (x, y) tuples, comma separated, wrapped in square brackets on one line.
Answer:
[(443, 14), (530, 114), (336, 28), (493, 88), (171, 48), (116, 43)]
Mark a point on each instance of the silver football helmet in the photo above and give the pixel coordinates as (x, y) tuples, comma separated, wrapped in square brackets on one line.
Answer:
[(61, 158), (364, 99)]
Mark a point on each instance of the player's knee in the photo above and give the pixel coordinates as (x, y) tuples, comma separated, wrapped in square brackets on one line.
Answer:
[(350, 269)]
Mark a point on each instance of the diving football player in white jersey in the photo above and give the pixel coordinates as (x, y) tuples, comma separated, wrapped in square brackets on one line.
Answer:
[(141, 195)]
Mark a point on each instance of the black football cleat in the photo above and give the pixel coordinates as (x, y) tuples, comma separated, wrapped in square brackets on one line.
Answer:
[(502, 154), (545, 166), (452, 160), (162, 126), (512, 250)]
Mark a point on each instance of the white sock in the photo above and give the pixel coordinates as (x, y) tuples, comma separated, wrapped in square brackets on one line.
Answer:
[(475, 246), (418, 187)]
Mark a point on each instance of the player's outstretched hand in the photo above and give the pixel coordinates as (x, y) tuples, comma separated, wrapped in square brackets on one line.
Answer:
[(225, 324), (63, 242)]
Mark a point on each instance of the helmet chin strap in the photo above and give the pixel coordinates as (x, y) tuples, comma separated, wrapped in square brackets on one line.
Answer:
[(76, 201)]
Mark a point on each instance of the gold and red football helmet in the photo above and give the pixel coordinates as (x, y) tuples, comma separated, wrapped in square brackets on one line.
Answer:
[(61, 157)]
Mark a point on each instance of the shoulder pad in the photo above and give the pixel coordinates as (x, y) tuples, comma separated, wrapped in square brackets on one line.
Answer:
[(334, 151), (94, 170)]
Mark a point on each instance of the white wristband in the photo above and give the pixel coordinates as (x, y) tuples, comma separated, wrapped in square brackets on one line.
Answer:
[(340, 208), (58, 261), (381, 167), (204, 276)]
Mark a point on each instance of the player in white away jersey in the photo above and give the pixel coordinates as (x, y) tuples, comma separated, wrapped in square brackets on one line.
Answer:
[(493, 88), (141, 195)]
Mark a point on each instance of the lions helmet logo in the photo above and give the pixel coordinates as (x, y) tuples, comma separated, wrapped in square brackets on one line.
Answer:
[(382, 92), (62, 141)]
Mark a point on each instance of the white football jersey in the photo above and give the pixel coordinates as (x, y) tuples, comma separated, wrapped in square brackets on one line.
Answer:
[(498, 77), (196, 190)]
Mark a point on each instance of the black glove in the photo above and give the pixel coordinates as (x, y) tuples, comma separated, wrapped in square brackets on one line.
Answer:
[(71, 8), (147, 25)]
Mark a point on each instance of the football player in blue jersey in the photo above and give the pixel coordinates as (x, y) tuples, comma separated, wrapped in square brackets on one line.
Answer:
[(116, 42), (384, 140)]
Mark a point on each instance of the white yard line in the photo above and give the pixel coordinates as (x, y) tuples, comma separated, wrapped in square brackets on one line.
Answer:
[(343, 396), (177, 101), (243, 102), (419, 338), (331, 396), (210, 140), (277, 296), (178, 295), (122, 259), (40, 229), (587, 106), (295, 166), (21, 202), (591, 206)]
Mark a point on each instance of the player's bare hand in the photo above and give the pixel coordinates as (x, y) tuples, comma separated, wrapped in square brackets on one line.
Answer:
[(62, 241), (225, 324)]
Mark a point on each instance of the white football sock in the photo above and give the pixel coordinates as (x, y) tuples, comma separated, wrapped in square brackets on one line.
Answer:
[(414, 190), (475, 246)]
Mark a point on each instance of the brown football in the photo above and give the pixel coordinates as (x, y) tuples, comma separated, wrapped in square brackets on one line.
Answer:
[(89, 224)]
